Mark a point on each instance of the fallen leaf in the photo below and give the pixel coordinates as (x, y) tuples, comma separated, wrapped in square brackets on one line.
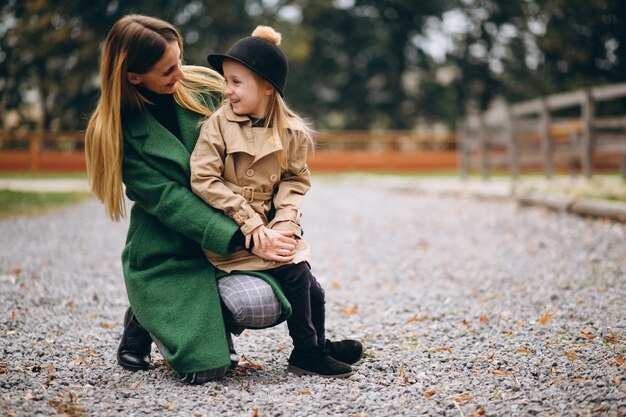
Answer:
[(417, 318), (106, 325), (335, 284), (428, 394), (484, 318), (245, 364), (401, 375), (170, 406), (478, 412), (304, 392), (571, 355), (619, 360), (501, 373), (546, 317), (441, 349), (523, 351), (581, 379), (351, 310), (255, 412), (12, 315), (462, 399), (466, 322)]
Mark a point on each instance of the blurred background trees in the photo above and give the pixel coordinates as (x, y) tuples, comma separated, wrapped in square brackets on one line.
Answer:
[(354, 64)]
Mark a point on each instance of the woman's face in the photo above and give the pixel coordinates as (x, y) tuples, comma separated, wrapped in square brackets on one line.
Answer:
[(163, 77), (246, 93)]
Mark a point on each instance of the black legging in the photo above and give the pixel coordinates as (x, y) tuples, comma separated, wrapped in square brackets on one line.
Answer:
[(307, 299)]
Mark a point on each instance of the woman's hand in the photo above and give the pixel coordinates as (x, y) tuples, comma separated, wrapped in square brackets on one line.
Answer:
[(281, 246)]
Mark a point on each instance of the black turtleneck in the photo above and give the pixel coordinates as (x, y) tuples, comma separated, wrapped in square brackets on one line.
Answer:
[(162, 108)]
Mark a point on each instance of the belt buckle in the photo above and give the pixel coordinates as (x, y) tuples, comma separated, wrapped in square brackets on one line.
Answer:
[(248, 194)]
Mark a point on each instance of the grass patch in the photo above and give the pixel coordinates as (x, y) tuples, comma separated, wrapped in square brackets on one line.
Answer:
[(42, 175), (25, 203)]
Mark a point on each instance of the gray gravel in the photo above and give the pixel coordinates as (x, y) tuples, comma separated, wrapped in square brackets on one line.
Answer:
[(468, 307)]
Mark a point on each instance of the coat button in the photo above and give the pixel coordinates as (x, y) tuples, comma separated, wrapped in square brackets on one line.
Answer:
[(250, 172), (273, 177)]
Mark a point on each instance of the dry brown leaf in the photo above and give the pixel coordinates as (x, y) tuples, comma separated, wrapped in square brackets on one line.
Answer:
[(462, 399), (478, 412), (12, 315), (170, 406), (484, 318), (106, 325), (255, 412), (571, 355), (246, 364), (304, 392), (335, 284), (441, 349), (546, 317), (428, 394), (466, 322), (351, 310), (581, 379), (501, 373), (417, 318), (401, 375), (619, 360), (523, 351)]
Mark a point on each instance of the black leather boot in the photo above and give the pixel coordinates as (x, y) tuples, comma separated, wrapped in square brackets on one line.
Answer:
[(133, 352), (347, 351), (316, 361)]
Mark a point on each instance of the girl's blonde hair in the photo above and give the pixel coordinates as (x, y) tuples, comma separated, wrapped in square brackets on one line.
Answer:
[(285, 123), (135, 43)]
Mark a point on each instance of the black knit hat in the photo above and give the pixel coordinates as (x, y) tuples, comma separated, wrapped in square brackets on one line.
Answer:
[(260, 53)]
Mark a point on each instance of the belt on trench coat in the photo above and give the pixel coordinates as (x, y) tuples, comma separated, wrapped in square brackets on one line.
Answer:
[(249, 193)]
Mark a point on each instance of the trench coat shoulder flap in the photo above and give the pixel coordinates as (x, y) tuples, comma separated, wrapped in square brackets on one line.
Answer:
[(159, 142), (241, 139)]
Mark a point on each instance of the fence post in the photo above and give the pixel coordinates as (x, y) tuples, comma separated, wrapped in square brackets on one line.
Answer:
[(484, 147), (587, 110), (33, 151), (547, 148), (509, 127), (462, 147)]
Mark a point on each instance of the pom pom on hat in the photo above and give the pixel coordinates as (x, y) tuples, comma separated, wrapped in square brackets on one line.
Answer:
[(267, 32)]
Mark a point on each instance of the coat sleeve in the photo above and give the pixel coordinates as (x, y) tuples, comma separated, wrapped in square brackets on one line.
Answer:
[(175, 205), (207, 181), (294, 184)]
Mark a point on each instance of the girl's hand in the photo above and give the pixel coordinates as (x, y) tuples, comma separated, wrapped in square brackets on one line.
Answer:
[(259, 237), (280, 246)]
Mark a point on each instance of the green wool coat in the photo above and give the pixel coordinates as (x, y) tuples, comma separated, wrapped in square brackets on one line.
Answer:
[(171, 286)]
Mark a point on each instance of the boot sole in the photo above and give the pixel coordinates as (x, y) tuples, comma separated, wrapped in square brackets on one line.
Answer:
[(299, 372), (132, 368)]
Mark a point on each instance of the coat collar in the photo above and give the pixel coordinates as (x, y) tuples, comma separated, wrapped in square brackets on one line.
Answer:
[(160, 142), (245, 124)]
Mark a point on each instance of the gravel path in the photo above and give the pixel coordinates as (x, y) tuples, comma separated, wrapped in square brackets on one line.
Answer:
[(468, 307)]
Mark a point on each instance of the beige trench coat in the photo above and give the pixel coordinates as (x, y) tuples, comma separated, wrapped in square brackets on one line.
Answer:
[(235, 168)]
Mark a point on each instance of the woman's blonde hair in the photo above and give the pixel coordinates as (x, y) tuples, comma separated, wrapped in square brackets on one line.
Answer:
[(135, 43)]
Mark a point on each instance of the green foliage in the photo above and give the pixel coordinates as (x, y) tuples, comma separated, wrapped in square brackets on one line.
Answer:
[(353, 64), (19, 203)]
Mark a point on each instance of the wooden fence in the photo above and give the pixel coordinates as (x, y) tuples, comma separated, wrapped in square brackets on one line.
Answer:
[(532, 135), (334, 151)]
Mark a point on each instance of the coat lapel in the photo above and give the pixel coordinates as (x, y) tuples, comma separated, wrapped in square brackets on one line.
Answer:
[(160, 142)]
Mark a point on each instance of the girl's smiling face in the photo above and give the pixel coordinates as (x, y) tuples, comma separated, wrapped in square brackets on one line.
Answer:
[(247, 92), (163, 77)]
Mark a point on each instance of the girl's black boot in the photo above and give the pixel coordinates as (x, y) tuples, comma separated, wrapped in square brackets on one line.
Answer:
[(133, 352)]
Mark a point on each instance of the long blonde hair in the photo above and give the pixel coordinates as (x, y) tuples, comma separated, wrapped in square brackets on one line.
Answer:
[(135, 43), (284, 123)]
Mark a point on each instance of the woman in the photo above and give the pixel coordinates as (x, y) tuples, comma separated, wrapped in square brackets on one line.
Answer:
[(140, 137)]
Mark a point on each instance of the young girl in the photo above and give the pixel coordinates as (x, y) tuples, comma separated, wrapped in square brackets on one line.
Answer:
[(250, 162)]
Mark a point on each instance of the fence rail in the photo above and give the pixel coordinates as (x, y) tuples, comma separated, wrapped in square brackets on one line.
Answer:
[(529, 134), (334, 151)]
